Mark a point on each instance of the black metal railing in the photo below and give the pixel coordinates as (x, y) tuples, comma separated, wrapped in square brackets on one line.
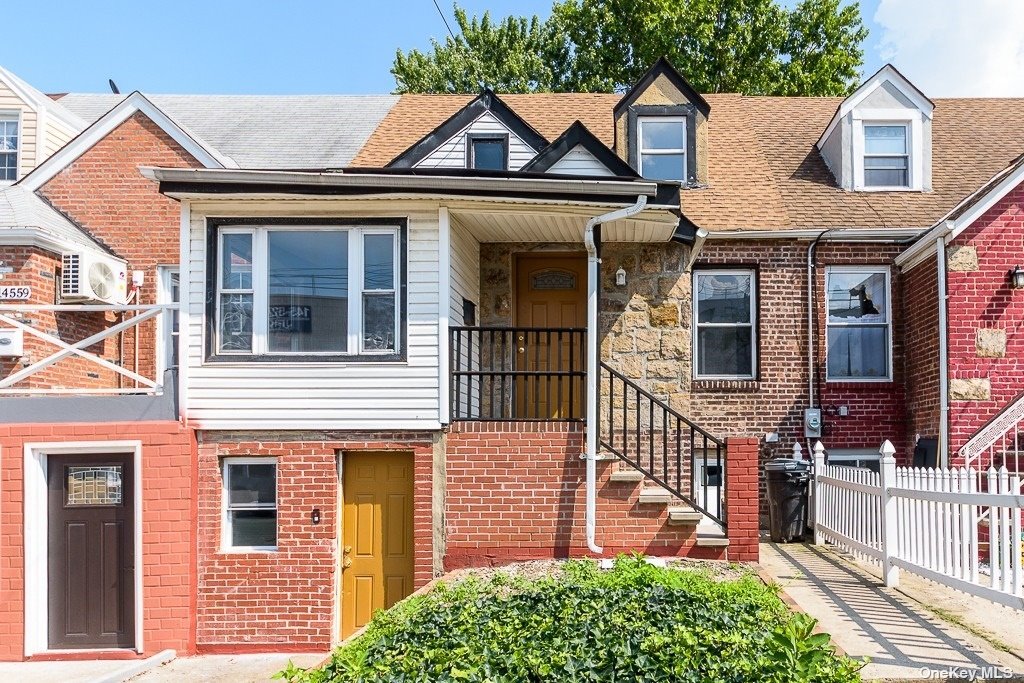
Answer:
[(668, 448), (517, 373)]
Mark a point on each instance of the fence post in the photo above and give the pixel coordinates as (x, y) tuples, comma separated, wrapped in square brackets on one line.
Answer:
[(890, 520), (819, 469)]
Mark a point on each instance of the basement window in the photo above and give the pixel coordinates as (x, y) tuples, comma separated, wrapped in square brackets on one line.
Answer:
[(250, 504)]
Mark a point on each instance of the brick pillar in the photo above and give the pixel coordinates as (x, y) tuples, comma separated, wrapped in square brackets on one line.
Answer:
[(741, 472)]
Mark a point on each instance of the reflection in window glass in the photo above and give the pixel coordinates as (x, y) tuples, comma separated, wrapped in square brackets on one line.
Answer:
[(725, 324), (93, 485), (858, 324), (236, 265), (379, 328), (308, 290), (661, 143), (250, 491), (886, 158)]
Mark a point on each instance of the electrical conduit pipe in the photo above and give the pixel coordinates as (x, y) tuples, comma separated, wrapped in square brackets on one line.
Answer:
[(593, 360)]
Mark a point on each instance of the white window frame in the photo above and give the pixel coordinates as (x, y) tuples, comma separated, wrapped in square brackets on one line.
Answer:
[(909, 118), (845, 455), (641, 150), (260, 288), (752, 274), (854, 270), (226, 528), (166, 339), (15, 116)]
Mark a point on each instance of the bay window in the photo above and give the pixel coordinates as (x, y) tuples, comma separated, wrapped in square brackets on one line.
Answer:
[(724, 316), (859, 324), (308, 290)]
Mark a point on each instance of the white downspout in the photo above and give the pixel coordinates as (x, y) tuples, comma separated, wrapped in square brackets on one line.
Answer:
[(940, 254), (593, 359), (698, 245)]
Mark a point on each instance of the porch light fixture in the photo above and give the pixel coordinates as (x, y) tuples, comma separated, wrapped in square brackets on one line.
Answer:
[(1017, 278), (620, 277)]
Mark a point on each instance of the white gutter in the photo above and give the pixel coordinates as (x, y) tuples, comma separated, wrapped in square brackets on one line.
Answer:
[(940, 250), (698, 245), (593, 359)]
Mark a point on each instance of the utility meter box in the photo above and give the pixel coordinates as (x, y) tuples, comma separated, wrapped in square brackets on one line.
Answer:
[(12, 343), (812, 423)]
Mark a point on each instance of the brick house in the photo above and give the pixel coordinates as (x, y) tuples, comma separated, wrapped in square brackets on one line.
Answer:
[(426, 332)]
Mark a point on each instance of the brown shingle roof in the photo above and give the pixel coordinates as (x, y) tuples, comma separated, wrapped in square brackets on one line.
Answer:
[(764, 171)]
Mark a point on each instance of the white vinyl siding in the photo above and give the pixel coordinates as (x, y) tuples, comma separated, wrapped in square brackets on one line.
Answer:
[(12, 106), (465, 279), (452, 154), (57, 135), (320, 395), (579, 161)]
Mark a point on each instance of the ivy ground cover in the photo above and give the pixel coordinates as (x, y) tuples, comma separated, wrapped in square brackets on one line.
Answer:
[(633, 623)]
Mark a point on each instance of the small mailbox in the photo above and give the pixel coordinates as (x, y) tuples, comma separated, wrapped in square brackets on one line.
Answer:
[(12, 343)]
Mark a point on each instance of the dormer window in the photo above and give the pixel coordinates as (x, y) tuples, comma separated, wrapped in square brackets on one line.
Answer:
[(487, 152), (662, 147), (886, 156)]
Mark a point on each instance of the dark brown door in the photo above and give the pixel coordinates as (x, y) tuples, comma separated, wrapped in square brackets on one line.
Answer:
[(91, 552), (551, 292)]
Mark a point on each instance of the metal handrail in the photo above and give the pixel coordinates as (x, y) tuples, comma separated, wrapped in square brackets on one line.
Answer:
[(660, 452)]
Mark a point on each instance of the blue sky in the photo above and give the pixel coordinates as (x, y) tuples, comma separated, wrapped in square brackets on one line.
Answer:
[(347, 46)]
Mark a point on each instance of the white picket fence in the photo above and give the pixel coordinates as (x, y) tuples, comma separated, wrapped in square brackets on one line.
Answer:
[(940, 524)]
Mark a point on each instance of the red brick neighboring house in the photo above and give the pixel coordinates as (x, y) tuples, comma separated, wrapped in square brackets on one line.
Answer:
[(383, 372)]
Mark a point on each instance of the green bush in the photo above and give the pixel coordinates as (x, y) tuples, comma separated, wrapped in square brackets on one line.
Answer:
[(634, 623)]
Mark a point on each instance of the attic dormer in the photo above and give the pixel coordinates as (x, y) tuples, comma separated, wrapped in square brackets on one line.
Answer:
[(485, 135), (661, 127), (880, 138)]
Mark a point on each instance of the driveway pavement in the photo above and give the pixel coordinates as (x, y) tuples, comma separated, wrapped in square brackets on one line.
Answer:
[(903, 640)]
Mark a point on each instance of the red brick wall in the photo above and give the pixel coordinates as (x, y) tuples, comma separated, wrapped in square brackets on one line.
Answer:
[(40, 270), (286, 599), (104, 192), (742, 469), (775, 402), (168, 530), (984, 299), (921, 319), (516, 491)]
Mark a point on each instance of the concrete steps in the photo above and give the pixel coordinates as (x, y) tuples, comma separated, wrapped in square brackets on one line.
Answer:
[(709, 533)]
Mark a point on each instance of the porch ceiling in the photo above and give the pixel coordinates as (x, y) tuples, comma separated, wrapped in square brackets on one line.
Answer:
[(510, 223)]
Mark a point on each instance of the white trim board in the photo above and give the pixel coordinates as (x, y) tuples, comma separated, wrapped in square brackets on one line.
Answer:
[(924, 247), (887, 74), (136, 102), (36, 529)]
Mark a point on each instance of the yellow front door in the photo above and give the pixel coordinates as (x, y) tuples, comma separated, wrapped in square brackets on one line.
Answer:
[(377, 534)]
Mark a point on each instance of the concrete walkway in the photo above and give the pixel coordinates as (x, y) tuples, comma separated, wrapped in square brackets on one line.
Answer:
[(902, 639), (202, 669), (227, 668)]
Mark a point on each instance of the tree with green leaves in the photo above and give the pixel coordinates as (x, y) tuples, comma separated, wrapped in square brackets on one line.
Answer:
[(756, 47)]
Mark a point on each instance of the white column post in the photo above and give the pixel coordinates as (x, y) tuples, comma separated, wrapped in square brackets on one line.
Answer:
[(798, 451), (819, 469), (890, 533)]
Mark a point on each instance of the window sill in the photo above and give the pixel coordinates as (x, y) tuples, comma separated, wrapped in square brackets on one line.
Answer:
[(727, 385), (270, 361), (862, 383)]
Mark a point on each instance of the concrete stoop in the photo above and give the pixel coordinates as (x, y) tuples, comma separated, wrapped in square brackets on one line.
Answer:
[(709, 533)]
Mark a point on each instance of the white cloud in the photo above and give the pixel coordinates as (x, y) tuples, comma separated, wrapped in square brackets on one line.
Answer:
[(956, 48)]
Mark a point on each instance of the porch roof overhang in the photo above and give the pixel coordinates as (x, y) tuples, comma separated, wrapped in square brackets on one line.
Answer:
[(495, 206)]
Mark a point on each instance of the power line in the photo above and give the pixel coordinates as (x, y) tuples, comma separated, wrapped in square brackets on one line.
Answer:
[(445, 20)]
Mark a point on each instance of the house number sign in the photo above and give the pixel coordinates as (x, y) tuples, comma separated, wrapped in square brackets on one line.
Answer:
[(15, 293)]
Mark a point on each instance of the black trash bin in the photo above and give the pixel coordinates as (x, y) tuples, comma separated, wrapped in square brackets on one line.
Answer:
[(787, 498)]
